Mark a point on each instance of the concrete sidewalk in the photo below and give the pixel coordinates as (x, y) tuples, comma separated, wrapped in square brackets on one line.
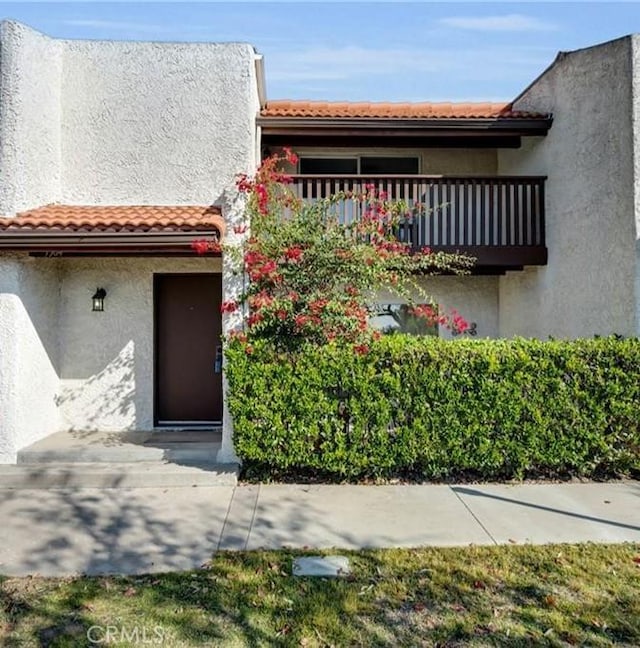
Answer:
[(137, 530)]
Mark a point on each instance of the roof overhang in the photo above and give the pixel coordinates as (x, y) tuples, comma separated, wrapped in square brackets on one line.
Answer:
[(57, 230), (48, 243), (465, 132)]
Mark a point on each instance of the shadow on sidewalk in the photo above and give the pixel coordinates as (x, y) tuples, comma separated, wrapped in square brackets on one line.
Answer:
[(463, 490)]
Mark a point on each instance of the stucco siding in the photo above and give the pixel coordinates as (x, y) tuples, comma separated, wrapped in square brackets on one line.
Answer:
[(30, 139), (29, 297), (155, 123), (103, 123), (635, 116), (106, 359), (587, 287), (107, 122)]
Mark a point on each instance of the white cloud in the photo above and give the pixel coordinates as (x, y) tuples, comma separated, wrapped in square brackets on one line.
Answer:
[(506, 23)]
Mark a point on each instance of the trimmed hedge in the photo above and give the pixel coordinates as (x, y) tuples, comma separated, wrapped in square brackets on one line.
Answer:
[(430, 409)]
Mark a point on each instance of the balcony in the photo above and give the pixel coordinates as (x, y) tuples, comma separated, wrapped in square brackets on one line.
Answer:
[(498, 220)]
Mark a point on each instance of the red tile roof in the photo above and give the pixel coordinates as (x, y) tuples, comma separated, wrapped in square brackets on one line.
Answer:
[(424, 110), (126, 218)]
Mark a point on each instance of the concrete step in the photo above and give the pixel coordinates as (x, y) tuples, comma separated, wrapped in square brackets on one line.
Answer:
[(40, 453), (141, 474)]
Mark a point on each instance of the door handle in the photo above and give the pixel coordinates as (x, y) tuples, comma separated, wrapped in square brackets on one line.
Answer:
[(218, 362)]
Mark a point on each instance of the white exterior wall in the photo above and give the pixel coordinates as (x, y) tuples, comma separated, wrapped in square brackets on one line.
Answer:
[(155, 123), (30, 114), (474, 297), (587, 287), (104, 123), (106, 359), (29, 387), (635, 115)]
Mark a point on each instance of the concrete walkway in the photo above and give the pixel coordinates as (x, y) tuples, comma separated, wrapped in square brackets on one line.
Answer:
[(136, 530)]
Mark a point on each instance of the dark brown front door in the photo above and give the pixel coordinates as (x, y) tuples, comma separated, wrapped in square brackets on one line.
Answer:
[(188, 329)]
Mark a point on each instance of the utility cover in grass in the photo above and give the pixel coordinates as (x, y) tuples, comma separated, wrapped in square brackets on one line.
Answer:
[(323, 566)]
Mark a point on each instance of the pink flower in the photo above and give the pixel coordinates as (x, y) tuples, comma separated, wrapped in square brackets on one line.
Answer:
[(239, 229)]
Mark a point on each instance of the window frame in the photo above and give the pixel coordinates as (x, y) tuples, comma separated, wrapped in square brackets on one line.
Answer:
[(358, 158)]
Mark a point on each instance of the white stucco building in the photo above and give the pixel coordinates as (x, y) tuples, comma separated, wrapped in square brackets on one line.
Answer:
[(115, 156)]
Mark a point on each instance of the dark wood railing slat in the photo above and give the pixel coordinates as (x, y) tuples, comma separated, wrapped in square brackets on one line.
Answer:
[(450, 211)]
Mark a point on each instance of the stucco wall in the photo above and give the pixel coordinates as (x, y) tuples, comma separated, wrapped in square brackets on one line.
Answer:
[(474, 297), (105, 122), (635, 115), (30, 112), (29, 386), (101, 122), (106, 359), (155, 123), (587, 287)]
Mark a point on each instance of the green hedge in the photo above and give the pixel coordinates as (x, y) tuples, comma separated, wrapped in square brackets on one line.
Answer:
[(439, 410)]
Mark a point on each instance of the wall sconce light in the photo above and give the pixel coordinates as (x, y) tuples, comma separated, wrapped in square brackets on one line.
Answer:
[(97, 301)]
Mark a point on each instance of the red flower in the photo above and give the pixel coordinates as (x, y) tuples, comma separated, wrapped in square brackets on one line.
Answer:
[(263, 198), (252, 258), (228, 307), (261, 300), (458, 323), (293, 254), (361, 349), (318, 305), (241, 336), (239, 229), (243, 183), (254, 318), (269, 267), (201, 247), (289, 155)]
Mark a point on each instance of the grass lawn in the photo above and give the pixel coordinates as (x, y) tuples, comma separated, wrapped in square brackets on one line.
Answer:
[(554, 595)]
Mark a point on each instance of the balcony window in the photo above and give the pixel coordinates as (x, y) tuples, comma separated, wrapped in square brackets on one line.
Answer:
[(389, 165), (362, 165), (328, 166)]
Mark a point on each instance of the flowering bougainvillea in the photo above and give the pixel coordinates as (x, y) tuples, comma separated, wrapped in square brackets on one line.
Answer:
[(311, 276)]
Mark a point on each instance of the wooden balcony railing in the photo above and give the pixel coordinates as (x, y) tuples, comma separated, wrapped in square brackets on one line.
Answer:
[(499, 219)]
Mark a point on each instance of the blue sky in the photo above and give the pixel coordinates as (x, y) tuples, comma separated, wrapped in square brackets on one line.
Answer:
[(384, 51)]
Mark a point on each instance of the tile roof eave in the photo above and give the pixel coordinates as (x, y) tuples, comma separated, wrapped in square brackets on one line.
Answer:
[(43, 240), (126, 219), (300, 109)]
